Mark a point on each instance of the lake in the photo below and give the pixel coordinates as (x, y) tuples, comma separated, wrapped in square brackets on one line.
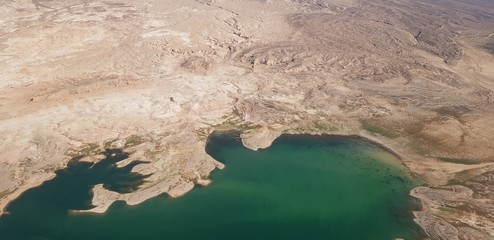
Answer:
[(302, 187)]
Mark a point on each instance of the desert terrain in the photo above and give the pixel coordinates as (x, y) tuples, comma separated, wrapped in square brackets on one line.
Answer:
[(156, 77)]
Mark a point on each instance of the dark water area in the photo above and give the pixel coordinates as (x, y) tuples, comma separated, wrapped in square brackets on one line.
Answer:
[(302, 187), (45, 209)]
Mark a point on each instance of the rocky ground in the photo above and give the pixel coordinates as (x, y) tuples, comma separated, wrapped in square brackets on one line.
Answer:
[(155, 77)]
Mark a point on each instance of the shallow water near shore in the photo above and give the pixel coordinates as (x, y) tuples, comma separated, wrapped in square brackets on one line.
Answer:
[(302, 187)]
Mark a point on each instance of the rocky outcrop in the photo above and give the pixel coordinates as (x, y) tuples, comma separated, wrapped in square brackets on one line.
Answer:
[(458, 211)]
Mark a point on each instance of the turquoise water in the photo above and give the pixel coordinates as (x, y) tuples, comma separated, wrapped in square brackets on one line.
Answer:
[(302, 187)]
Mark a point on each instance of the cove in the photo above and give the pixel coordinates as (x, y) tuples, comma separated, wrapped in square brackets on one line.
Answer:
[(302, 187)]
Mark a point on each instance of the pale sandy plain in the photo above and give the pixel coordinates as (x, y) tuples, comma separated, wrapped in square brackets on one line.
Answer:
[(156, 77)]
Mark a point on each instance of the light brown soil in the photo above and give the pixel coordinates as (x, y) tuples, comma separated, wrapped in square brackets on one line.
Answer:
[(157, 76)]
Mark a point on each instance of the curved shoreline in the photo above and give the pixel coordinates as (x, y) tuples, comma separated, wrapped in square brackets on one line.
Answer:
[(103, 198), (436, 175), (5, 201)]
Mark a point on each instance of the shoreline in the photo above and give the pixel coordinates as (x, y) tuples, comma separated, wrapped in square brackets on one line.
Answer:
[(103, 199), (251, 141), (5, 201), (104, 196)]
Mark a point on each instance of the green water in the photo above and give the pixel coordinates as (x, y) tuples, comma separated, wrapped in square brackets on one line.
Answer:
[(300, 188)]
